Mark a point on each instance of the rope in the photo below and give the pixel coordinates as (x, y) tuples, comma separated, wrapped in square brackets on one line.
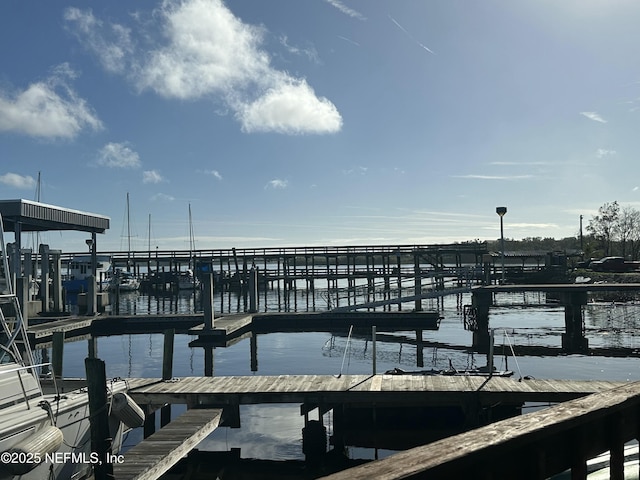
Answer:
[(346, 348), (513, 353)]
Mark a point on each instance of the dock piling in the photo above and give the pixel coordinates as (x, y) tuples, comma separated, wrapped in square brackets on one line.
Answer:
[(207, 301), (99, 417)]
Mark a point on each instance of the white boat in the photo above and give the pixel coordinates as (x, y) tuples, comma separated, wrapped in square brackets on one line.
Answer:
[(187, 280), (123, 281), (44, 433)]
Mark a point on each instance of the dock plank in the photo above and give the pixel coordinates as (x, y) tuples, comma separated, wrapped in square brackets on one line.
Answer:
[(158, 453)]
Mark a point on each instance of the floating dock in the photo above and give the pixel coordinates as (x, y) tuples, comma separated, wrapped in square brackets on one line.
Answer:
[(329, 389)]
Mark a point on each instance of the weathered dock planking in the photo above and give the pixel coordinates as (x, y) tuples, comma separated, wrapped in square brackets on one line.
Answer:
[(397, 390), (158, 453), (226, 326)]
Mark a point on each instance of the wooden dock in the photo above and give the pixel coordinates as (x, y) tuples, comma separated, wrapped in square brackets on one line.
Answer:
[(230, 327), (156, 454), (225, 327), (394, 390)]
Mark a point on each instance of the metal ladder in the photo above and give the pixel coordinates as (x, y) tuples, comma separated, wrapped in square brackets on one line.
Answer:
[(13, 333)]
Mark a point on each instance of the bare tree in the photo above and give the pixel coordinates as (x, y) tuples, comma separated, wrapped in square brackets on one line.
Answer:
[(604, 225)]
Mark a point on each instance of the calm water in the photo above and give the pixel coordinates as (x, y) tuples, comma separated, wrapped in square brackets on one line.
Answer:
[(274, 431)]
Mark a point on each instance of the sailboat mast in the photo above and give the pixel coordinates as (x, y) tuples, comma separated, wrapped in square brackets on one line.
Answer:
[(128, 236), (192, 242)]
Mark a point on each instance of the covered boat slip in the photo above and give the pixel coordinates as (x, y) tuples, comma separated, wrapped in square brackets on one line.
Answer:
[(28, 216)]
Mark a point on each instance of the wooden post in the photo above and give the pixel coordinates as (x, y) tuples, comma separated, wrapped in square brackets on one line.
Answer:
[(373, 347), (44, 277), (91, 295), (573, 340), (419, 349), (253, 345), (22, 293), (481, 301), (99, 417), (253, 290), (167, 372), (418, 281), (207, 301), (616, 447), (167, 354), (92, 347), (208, 361), (57, 349)]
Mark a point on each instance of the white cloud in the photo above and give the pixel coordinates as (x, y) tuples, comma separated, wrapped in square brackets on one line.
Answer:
[(162, 197), (214, 173), (111, 43), (207, 52), (151, 176), (593, 116), (356, 170), (118, 155), (495, 177), (49, 108), (290, 108), (346, 10), (602, 152), (276, 184), (18, 181), (310, 52)]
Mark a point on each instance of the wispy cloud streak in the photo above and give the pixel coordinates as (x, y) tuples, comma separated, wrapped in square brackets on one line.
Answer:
[(349, 40), (495, 177), (346, 10), (593, 116), (410, 36)]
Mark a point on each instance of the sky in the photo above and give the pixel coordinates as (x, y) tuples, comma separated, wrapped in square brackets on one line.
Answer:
[(320, 122)]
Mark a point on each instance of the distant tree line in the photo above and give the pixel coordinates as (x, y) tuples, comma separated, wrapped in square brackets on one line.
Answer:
[(614, 231)]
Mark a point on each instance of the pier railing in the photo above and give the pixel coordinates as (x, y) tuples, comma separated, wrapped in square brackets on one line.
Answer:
[(535, 446), (338, 254)]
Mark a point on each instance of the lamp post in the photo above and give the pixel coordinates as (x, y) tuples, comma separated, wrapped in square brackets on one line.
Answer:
[(501, 211)]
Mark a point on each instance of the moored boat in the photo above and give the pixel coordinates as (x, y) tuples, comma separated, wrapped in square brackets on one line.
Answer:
[(43, 433), (123, 281), (79, 270)]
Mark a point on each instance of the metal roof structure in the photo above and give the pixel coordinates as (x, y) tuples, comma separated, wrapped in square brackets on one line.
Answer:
[(29, 216)]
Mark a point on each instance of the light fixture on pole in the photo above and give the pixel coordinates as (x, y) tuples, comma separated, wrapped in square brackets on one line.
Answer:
[(501, 211)]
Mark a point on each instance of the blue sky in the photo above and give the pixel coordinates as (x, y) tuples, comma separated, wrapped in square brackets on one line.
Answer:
[(321, 122)]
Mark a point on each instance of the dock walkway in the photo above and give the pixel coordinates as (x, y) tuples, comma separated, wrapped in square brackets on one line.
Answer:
[(156, 454), (362, 389)]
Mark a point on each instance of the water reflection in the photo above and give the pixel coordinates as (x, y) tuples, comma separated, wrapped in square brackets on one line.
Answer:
[(274, 431)]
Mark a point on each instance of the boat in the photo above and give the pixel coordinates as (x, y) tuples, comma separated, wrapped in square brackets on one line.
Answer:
[(79, 269), (45, 433), (123, 282), (186, 280)]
